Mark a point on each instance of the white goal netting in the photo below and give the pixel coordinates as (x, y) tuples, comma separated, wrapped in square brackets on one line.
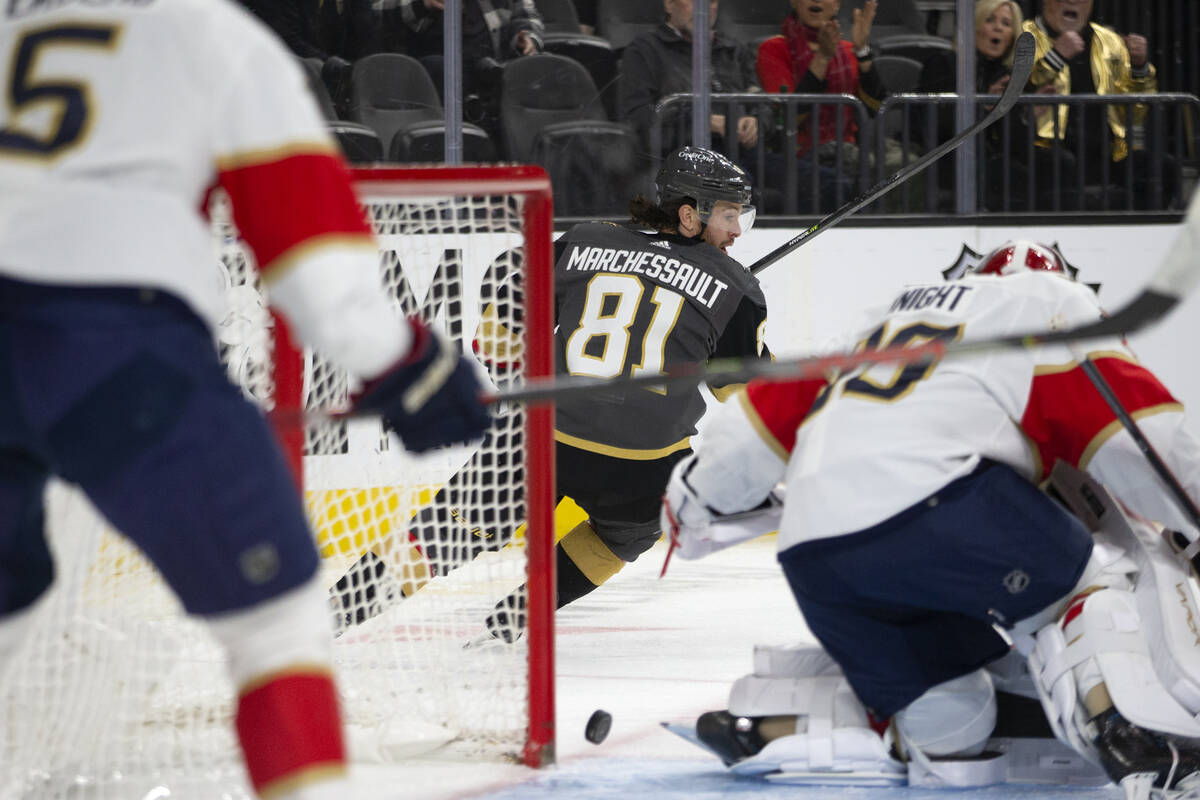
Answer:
[(117, 695)]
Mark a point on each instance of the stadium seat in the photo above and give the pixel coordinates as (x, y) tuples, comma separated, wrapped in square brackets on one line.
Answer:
[(360, 143), (394, 95), (935, 54), (312, 71), (597, 57), (559, 16), (621, 21), (919, 46), (425, 143), (389, 91), (550, 115), (751, 21), (899, 74)]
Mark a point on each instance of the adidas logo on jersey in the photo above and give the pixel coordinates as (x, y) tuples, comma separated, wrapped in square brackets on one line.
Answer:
[(663, 244)]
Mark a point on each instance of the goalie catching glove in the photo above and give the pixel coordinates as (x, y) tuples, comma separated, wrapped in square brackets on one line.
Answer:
[(695, 529), (431, 398)]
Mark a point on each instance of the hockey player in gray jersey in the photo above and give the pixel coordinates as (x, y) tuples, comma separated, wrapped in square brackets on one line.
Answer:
[(630, 300)]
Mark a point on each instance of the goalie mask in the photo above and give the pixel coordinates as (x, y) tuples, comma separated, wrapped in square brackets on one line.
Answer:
[(719, 188), (1021, 255)]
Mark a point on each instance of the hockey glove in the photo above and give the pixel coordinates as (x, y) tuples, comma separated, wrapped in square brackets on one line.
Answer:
[(695, 529), (431, 398)]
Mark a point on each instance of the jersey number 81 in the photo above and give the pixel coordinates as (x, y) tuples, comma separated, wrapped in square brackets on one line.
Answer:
[(609, 311)]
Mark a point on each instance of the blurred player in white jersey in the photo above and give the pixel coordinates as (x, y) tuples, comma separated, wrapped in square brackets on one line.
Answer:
[(122, 117), (918, 546)]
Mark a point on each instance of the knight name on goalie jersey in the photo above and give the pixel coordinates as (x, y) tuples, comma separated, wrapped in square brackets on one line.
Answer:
[(941, 296), (696, 282)]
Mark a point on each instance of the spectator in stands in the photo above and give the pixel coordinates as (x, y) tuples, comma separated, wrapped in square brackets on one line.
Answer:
[(659, 63), (335, 31), (997, 23), (493, 32), (810, 57), (1077, 56)]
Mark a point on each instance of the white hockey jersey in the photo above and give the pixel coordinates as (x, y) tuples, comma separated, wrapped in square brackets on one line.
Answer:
[(124, 114), (873, 441)]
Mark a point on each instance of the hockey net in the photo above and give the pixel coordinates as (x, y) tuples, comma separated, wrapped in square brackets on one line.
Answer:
[(116, 693)]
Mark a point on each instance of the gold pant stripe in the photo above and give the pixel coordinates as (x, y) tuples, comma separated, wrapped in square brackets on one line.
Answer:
[(589, 552)]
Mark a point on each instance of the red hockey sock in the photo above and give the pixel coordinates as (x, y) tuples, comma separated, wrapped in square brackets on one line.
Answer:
[(291, 730)]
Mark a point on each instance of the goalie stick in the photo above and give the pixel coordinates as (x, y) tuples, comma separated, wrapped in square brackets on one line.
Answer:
[(1021, 69), (1187, 548), (1172, 281)]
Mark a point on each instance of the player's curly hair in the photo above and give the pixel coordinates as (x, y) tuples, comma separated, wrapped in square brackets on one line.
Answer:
[(662, 218)]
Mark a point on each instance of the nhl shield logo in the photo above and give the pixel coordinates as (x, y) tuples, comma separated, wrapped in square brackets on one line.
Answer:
[(1016, 581)]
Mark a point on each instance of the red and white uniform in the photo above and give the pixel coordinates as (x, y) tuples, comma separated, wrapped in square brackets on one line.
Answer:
[(876, 441), (105, 169)]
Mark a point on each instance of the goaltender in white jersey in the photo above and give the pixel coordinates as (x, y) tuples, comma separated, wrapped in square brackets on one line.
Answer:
[(122, 117), (919, 548)]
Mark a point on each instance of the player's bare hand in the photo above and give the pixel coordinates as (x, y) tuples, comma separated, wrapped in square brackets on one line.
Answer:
[(716, 124), (747, 130), (998, 86), (1069, 45), (863, 19), (1137, 49), (435, 5)]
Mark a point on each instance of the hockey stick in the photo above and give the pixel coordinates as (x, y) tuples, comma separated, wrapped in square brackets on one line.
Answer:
[(1188, 549), (1172, 281), (1021, 69)]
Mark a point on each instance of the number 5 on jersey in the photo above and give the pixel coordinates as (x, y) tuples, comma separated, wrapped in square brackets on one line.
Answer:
[(600, 346), (61, 108)]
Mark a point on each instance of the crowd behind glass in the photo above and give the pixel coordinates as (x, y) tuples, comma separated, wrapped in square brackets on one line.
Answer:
[(817, 99)]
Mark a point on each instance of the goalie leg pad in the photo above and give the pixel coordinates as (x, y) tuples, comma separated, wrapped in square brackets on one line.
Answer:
[(952, 718), (1166, 597), (833, 738), (944, 732), (1107, 645)]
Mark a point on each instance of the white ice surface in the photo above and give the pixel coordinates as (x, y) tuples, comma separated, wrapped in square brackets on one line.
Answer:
[(648, 650)]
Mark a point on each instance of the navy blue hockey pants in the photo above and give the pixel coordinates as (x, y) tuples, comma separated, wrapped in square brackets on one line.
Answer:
[(120, 391), (910, 602)]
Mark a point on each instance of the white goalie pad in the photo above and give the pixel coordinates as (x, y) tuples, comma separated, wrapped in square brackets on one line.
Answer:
[(833, 742), (1144, 641)]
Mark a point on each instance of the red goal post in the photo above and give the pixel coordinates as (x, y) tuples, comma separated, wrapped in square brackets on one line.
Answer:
[(532, 186)]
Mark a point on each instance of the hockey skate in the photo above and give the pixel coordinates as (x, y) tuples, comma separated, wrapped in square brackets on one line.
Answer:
[(1139, 759), (730, 738), (505, 625), (363, 593)]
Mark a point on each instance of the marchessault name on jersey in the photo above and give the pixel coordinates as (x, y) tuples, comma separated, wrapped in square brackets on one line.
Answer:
[(15, 9), (669, 271)]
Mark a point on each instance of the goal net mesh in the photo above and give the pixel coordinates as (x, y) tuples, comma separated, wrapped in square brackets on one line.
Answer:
[(116, 692)]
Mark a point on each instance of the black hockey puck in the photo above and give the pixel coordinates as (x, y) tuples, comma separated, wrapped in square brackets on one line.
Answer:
[(598, 725)]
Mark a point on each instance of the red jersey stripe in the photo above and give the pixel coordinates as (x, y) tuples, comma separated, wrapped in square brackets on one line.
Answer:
[(1067, 418), (274, 209), (776, 409), (288, 726)]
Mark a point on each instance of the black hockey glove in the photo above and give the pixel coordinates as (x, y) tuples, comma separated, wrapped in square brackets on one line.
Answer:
[(431, 398)]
